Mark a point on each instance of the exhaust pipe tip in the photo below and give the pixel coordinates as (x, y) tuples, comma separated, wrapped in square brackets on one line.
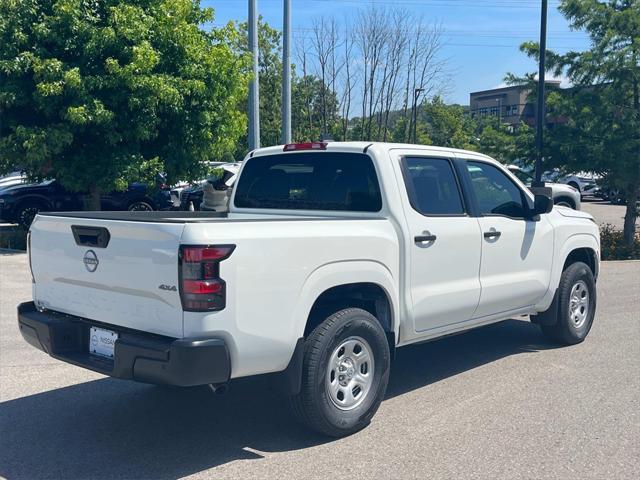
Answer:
[(218, 388)]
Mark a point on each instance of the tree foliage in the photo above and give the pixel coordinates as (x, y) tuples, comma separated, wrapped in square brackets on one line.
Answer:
[(601, 131), (99, 92)]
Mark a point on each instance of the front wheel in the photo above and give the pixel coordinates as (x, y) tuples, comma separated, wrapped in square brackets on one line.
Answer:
[(575, 307), (345, 373)]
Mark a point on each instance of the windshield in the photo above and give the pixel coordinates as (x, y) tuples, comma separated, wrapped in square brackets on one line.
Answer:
[(310, 181)]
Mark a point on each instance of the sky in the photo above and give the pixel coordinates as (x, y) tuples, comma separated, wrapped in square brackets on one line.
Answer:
[(481, 38)]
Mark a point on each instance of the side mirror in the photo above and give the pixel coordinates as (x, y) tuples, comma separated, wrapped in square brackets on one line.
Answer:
[(542, 204)]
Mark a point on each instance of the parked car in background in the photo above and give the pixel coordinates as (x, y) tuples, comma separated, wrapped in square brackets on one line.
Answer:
[(191, 202), (13, 178), (562, 194), (584, 182), (21, 202), (191, 197), (217, 189)]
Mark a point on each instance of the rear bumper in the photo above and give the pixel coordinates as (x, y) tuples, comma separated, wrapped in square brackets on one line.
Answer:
[(138, 356)]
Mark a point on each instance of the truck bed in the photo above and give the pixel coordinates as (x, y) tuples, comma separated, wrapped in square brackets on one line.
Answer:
[(195, 217)]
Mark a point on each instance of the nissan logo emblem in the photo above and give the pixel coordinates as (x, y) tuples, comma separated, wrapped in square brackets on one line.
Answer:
[(90, 260)]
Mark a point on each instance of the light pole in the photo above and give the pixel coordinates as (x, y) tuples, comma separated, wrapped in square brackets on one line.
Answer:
[(416, 94), (540, 114), (286, 73), (254, 85)]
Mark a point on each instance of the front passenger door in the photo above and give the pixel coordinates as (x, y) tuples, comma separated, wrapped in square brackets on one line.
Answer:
[(516, 252)]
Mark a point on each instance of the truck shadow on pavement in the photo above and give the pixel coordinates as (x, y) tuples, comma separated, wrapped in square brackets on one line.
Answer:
[(116, 429)]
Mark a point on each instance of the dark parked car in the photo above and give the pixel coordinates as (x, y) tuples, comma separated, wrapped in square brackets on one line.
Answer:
[(191, 197), (19, 203)]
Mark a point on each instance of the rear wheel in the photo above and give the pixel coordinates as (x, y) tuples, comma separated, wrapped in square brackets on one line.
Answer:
[(575, 307), (140, 206), (345, 373)]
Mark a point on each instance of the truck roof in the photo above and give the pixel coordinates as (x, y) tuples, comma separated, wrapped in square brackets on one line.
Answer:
[(359, 147)]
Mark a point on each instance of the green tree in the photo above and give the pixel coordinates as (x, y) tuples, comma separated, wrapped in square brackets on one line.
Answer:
[(496, 140), (97, 93), (447, 125), (602, 110)]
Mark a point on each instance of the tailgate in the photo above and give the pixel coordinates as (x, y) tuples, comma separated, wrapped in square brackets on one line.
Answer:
[(131, 281)]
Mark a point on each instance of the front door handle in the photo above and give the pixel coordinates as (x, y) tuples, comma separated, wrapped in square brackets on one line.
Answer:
[(424, 238), (492, 234)]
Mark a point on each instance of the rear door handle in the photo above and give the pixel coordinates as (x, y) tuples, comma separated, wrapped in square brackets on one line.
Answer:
[(424, 238), (492, 234)]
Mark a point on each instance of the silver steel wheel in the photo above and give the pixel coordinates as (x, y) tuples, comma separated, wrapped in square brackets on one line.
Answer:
[(350, 373), (579, 303)]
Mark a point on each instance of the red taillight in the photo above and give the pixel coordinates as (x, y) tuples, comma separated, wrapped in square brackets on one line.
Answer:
[(290, 147), (201, 288), (199, 254)]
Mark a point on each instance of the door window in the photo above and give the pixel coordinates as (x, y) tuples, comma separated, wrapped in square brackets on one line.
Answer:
[(432, 186), (495, 192)]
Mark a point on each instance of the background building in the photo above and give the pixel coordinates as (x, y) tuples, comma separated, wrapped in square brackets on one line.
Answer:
[(510, 104)]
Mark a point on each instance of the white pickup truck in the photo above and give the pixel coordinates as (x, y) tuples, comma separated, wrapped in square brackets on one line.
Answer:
[(331, 256)]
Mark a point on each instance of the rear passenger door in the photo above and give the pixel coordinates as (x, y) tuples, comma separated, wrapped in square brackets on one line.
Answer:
[(444, 245)]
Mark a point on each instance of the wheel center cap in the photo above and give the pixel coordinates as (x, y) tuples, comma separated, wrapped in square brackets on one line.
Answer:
[(347, 368)]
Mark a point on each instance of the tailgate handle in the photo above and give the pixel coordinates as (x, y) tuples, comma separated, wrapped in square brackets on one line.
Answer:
[(91, 236)]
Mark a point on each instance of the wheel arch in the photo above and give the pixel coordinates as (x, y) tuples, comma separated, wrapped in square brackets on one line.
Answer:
[(575, 185), (43, 202), (579, 247), (565, 199), (39, 199), (350, 282), (363, 284)]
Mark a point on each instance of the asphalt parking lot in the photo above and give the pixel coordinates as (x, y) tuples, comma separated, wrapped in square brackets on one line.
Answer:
[(497, 402), (605, 212)]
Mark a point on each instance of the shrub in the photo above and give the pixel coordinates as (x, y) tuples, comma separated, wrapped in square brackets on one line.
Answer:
[(13, 238), (613, 246)]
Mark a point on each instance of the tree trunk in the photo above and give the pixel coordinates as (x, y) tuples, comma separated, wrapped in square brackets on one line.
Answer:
[(94, 200), (631, 214)]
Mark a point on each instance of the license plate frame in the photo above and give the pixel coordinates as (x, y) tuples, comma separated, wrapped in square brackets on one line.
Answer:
[(102, 342)]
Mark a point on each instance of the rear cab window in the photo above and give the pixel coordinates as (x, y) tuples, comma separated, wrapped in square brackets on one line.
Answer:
[(432, 186), (330, 181)]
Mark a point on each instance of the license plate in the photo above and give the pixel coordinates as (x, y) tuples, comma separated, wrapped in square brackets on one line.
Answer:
[(102, 342)]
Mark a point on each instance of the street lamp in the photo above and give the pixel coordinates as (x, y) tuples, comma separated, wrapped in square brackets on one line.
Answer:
[(416, 94), (254, 85)]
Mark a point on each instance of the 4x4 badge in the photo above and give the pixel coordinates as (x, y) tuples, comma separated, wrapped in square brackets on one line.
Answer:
[(169, 288), (90, 260)]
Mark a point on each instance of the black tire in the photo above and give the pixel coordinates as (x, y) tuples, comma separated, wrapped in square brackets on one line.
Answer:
[(567, 330), (314, 406), (26, 212), (142, 205)]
